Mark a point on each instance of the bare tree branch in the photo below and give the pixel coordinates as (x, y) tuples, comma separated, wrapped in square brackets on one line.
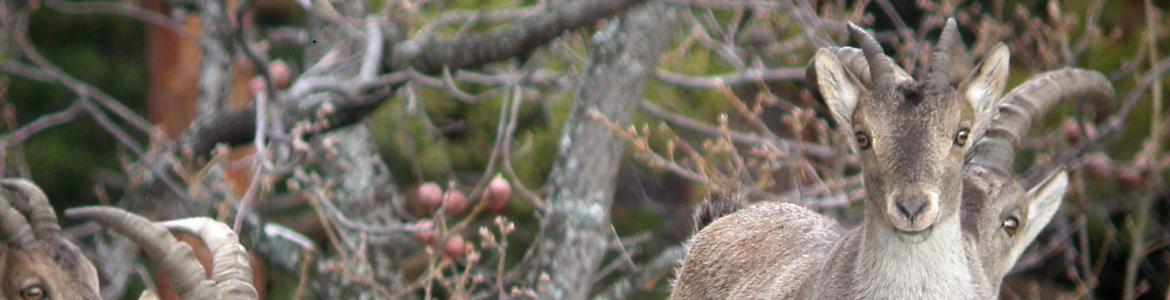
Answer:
[(432, 54), (742, 77), (237, 127), (748, 139), (42, 123), (648, 275)]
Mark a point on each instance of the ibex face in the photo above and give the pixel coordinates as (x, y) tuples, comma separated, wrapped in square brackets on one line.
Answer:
[(36, 262), (1003, 218), (47, 270), (912, 136)]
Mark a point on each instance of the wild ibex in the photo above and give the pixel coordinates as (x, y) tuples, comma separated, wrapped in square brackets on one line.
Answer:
[(38, 262), (913, 138), (999, 213)]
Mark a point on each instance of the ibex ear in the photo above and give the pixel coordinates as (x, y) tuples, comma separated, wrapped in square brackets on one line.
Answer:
[(1043, 201), (839, 88), (984, 87)]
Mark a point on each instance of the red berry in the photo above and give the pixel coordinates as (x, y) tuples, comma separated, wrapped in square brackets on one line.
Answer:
[(1071, 131), (498, 193), (1142, 164), (455, 247), (424, 231), (1130, 177), (1099, 165), (454, 202), (257, 85), (430, 195), (280, 73)]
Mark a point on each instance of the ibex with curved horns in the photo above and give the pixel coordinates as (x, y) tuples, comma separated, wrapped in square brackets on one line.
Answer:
[(912, 138), (38, 262), (1000, 214)]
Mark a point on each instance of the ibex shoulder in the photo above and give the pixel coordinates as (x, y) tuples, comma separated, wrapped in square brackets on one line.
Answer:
[(737, 254)]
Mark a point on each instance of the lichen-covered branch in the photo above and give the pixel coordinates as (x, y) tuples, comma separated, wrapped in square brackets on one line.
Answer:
[(576, 229), (433, 53), (216, 76)]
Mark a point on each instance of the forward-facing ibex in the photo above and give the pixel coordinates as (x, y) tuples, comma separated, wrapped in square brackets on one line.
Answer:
[(913, 138), (38, 262), (998, 213)]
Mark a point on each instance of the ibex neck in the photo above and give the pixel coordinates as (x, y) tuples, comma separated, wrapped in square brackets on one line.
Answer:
[(889, 268)]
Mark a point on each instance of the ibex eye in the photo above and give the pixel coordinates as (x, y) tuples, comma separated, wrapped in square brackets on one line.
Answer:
[(1011, 225), (961, 137), (862, 140), (32, 293)]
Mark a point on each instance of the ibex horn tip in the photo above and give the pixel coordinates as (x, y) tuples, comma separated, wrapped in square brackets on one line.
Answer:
[(879, 68), (40, 213), (940, 63)]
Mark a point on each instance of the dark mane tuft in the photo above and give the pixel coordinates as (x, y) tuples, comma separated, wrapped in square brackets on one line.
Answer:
[(716, 206)]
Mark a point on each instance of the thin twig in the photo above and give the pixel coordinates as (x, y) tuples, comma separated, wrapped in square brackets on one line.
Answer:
[(112, 128), (751, 75), (121, 9), (504, 131), (375, 43), (82, 89), (43, 122), (1137, 250)]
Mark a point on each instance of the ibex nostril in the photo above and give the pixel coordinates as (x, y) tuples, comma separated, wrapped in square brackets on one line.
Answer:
[(913, 210)]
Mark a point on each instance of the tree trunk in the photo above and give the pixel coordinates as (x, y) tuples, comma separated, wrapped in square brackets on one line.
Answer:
[(576, 229)]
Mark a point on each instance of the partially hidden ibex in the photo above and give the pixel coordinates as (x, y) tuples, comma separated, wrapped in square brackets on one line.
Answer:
[(933, 228), (1001, 215), (38, 262)]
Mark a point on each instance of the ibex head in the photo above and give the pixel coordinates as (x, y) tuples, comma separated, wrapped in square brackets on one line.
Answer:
[(912, 136), (37, 262), (1004, 218)]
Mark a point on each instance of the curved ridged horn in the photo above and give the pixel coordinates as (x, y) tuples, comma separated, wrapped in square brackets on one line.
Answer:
[(13, 226), (940, 61), (232, 272), (175, 258), (854, 61), (1029, 102), (37, 206), (879, 69)]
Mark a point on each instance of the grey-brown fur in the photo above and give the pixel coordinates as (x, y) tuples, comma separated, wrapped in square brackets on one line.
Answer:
[(771, 250)]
